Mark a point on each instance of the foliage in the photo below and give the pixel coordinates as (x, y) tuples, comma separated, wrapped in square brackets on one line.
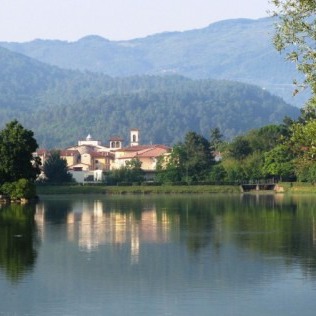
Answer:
[(55, 168), (278, 162), (130, 173), (252, 166), (189, 161), (216, 139), (302, 141), (198, 156), (173, 169), (267, 137), (239, 148), (218, 173), (233, 170), (295, 34), (21, 189), (17, 145)]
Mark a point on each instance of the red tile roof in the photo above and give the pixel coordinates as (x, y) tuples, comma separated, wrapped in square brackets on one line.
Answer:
[(151, 151), (102, 154), (141, 147), (67, 153), (42, 152)]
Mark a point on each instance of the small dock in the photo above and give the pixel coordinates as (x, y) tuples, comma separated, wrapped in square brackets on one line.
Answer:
[(247, 187)]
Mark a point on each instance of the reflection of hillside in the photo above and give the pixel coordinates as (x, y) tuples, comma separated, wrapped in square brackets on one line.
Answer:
[(89, 225)]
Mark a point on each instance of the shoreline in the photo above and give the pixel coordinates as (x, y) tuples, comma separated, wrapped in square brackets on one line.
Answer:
[(282, 188), (137, 189)]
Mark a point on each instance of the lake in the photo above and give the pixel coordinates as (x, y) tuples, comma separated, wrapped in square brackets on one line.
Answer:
[(159, 255)]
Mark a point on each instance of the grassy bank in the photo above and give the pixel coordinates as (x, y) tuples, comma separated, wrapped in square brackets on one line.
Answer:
[(100, 189), (298, 187), (295, 187)]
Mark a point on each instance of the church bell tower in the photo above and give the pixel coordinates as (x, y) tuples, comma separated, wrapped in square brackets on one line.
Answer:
[(134, 137)]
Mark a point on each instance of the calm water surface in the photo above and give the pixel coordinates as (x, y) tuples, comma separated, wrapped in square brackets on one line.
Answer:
[(159, 255)]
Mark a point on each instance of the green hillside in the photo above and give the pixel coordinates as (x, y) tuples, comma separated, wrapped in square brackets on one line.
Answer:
[(239, 50), (62, 106)]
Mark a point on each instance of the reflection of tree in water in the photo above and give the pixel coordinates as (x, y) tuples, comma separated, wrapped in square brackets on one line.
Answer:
[(197, 219), (56, 211), (286, 228), (17, 240), (270, 224)]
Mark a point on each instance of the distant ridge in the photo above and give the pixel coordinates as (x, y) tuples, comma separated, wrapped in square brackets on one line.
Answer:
[(237, 49)]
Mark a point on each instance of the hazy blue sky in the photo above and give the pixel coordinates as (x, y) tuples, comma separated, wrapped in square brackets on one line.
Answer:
[(24, 20)]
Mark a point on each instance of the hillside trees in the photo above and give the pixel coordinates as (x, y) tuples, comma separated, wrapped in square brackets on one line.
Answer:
[(161, 106)]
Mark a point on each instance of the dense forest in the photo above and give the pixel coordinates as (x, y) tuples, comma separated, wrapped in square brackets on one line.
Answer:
[(62, 106)]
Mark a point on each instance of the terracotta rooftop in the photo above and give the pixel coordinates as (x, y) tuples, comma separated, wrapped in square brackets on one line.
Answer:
[(146, 151), (96, 154), (68, 152), (42, 151), (141, 148)]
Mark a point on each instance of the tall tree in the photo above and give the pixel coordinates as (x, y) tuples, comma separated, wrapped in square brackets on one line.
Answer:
[(279, 163), (55, 168), (189, 161), (239, 148), (216, 139), (296, 35), (172, 169), (199, 158), (17, 146)]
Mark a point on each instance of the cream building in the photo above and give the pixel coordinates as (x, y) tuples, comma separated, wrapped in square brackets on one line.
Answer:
[(89, 158)]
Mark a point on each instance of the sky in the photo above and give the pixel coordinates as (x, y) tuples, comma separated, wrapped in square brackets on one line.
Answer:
[(26, 20)]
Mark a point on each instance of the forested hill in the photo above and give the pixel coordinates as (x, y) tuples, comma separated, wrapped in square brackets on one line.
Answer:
[(239, 50), (62, 106)]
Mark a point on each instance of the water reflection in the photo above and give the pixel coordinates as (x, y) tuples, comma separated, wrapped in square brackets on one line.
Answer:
[(93, 223), (18, 241), (270, 224), (168, 255)]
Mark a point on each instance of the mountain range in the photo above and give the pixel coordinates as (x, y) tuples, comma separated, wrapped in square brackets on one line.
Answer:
[(238, 50), (64, 91)]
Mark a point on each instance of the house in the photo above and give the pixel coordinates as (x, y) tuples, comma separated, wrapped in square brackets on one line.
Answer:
[(89, 158), (71, 156), (148, 155)]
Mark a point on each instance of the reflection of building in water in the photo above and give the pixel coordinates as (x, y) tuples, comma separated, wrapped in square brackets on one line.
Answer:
[(40, 219), (91, 226)]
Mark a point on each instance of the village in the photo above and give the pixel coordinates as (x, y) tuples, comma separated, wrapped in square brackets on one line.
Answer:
[(90, 159)]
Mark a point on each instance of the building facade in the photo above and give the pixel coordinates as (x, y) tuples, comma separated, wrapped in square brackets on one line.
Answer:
[(89, 158)]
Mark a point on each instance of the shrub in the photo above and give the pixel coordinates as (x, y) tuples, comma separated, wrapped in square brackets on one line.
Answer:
[(20, 189)]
